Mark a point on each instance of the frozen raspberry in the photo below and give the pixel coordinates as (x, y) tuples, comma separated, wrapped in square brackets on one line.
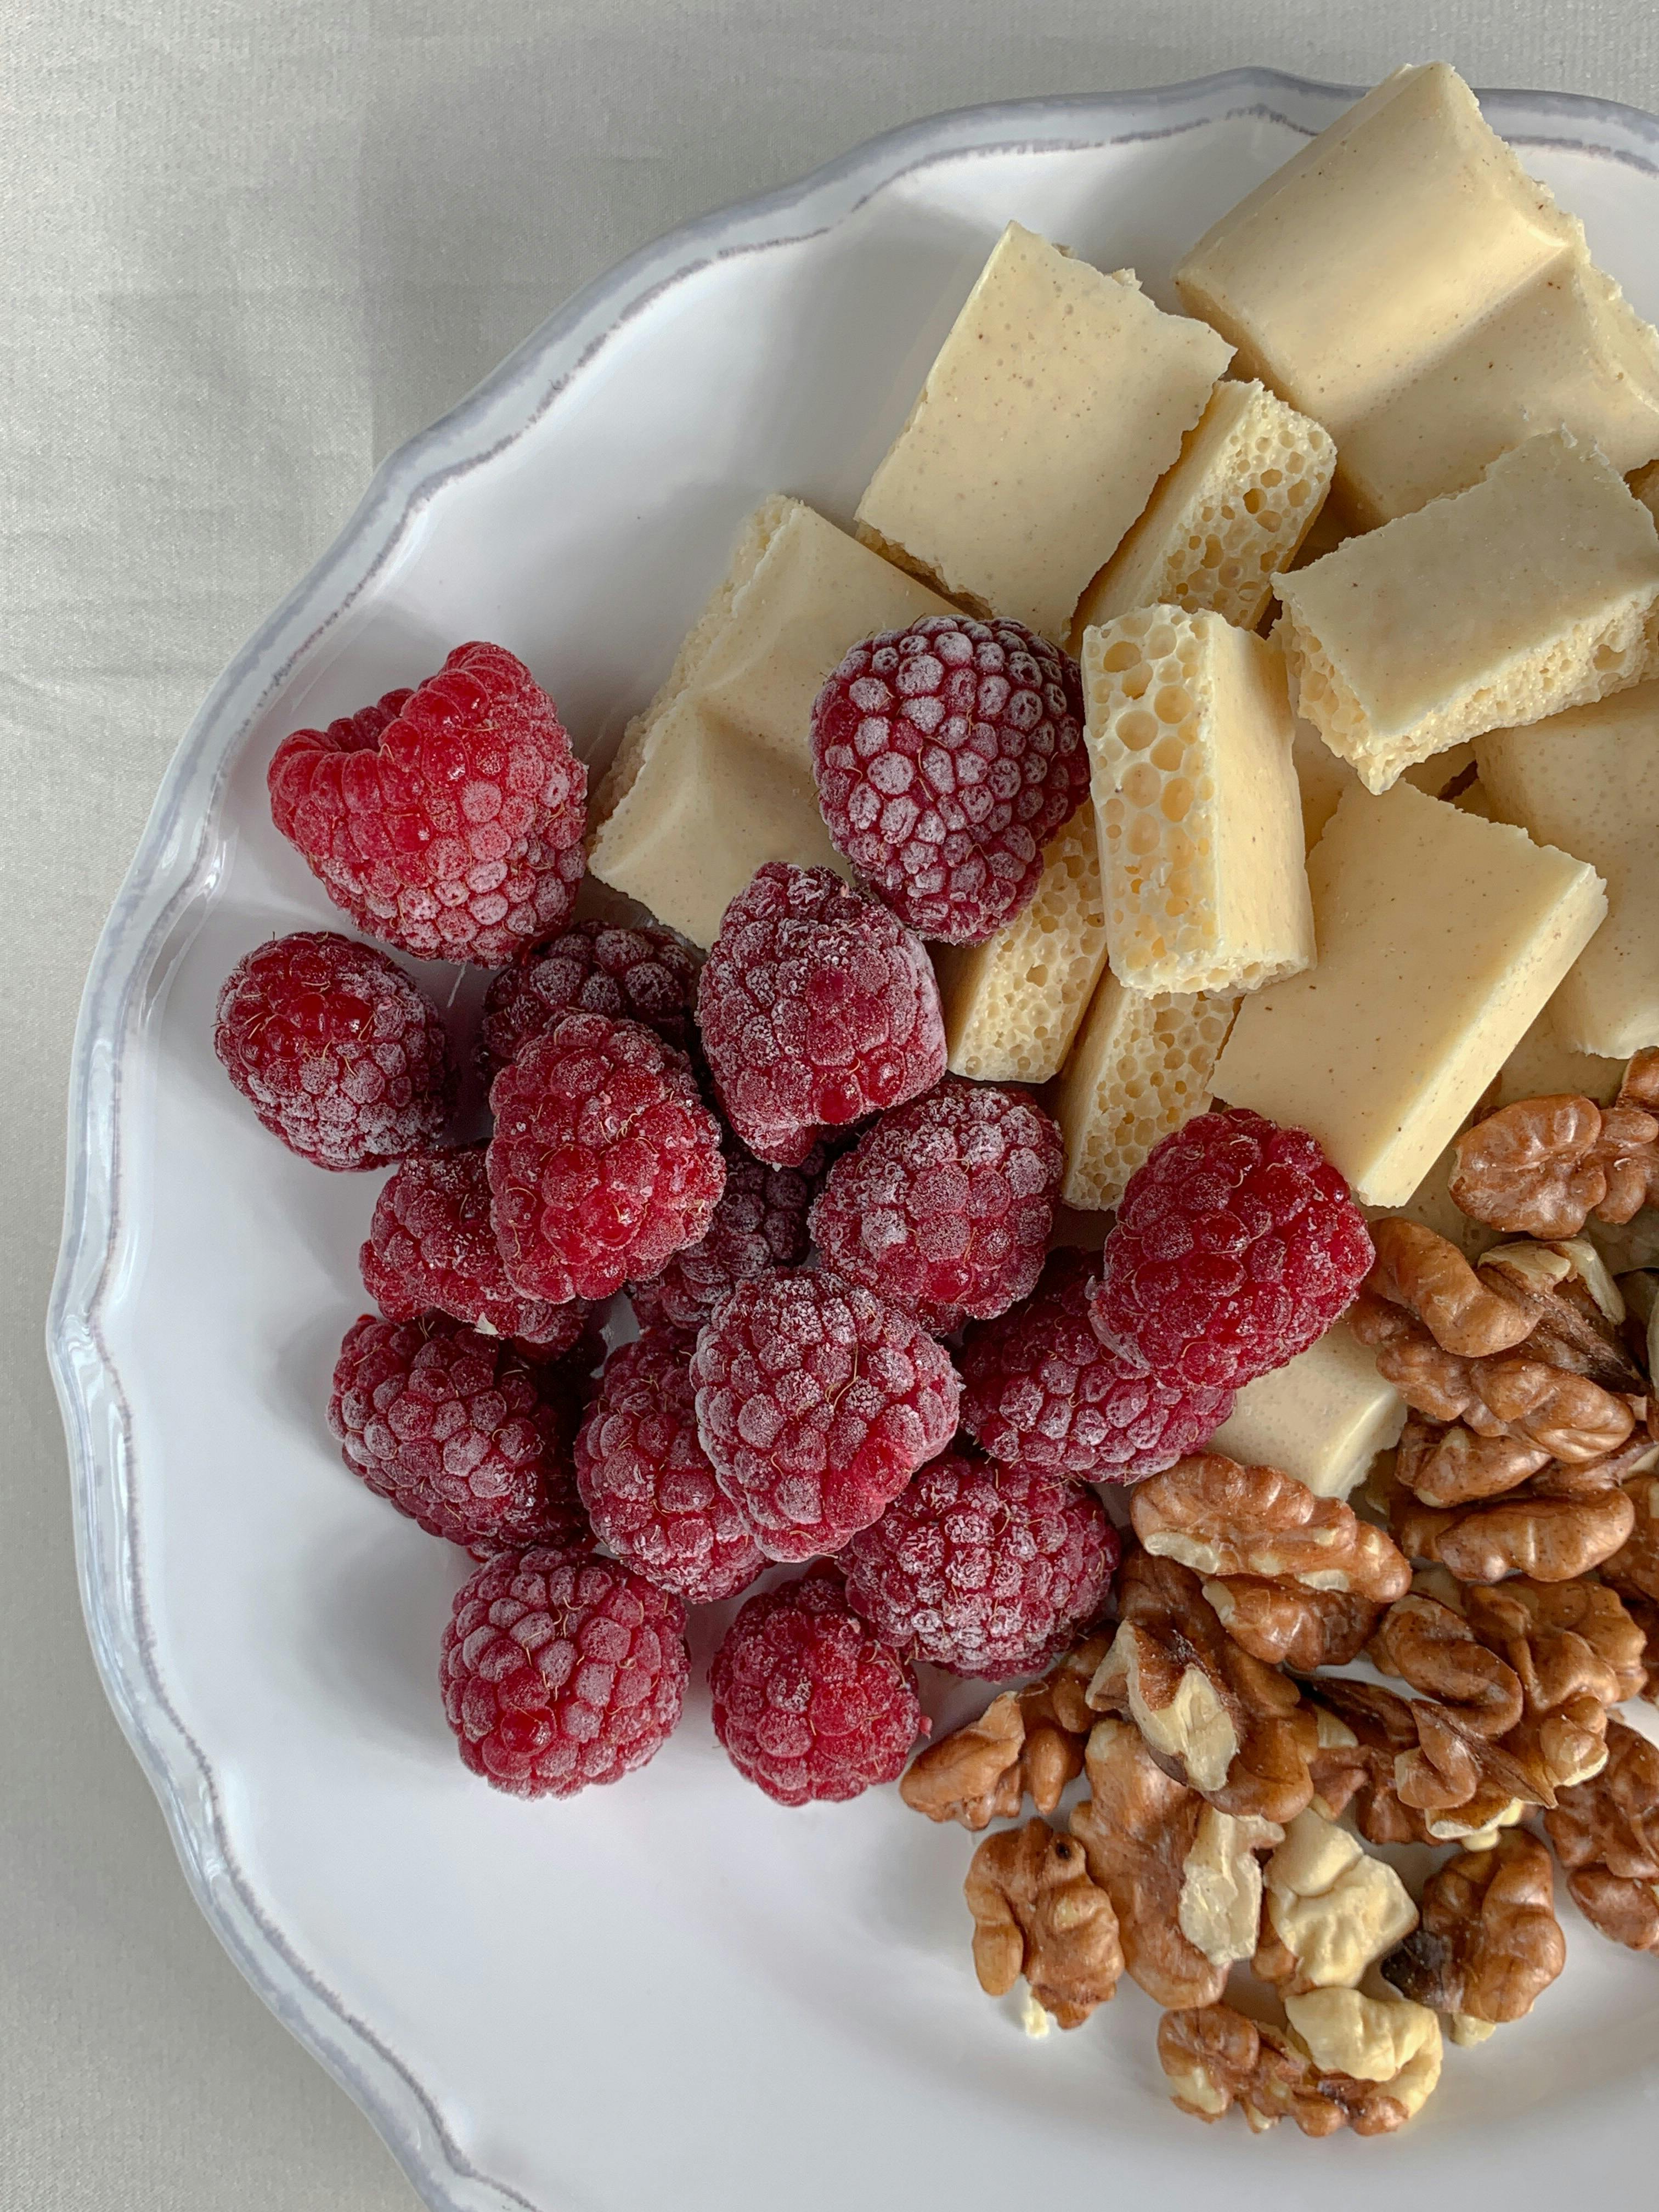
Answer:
[(1040, 1390), (946, 755), (944, 1206), (560, 1669), (459, 1431), (1235, 1246), (647, 1483), (645, 974), (430, 1246), (817, 1008), (604, 1160), (817, 1402), (982, 1569), (759, 1224), (808, 1703), (337, 1051), (448, 820)]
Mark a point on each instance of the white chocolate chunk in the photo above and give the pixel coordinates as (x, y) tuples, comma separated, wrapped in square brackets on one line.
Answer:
[(1234, 509), (1320, 777), (1441, 937), (1058, 400), (1322, 1417), (1201, 849), (716, 775), (1013, 1005), (1588, 780), (1140, 1068), (1535, 590), (1404, 281)]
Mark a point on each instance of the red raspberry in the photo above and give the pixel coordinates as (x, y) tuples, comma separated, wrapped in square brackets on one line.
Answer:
[(448, 820), (459, 1431), (759, 1224), (645, 974), (1235, 1246), (808, 1703), (982, 1569), (338, 1052), (945, 1205), (604, 1159), (817, 1008), (818, 1401), (946, 755), (430, 1246), (560, 1669), (1040, 1390), (648, 1483)]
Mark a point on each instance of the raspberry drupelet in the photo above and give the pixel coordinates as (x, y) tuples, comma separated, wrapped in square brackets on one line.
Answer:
[(643, 974), (647, 1483), (560, 1669), (1235, 1246), (431, 1248), (1040, 1390), (944, 1206), (817, 1008), (448, 820), (336, 1050), (817, 1402), (605, 1162), (460, 1431), (760, 1223), (982, 1569), (946, 755), (807, 1701)]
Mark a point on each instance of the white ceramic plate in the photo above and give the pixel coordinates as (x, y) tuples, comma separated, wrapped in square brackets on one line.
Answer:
[(672, 1992)]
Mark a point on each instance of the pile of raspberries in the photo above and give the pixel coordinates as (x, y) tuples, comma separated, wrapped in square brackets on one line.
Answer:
[(739, 1277)]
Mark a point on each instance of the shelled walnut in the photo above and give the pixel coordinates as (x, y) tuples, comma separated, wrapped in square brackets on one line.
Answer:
[(1231, 1726), (1606, 1834), (1214, 2059), (1332, 1909), (1432, 1646), (1184, 1880), (1549, 1538), (1542, 1166), (1489, 1942), (1576, 1652), (1036, 1913), (1026, 1744), (1634, 1567), (1416, 1775)]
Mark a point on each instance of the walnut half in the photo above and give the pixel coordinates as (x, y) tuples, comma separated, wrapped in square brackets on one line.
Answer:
[(1606, 1834), (1542, 1166), (1489, 1942), (1332, 1908), (1036, 1913), (1214, 2059)]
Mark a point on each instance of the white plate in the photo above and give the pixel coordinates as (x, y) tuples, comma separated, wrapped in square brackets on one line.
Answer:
[(672, 1992)]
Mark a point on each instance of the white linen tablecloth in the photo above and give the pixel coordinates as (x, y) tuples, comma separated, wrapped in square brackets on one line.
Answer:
[(246, 247)]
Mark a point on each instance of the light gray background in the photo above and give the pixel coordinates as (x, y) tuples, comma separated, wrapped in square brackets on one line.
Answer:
[(244, 249)]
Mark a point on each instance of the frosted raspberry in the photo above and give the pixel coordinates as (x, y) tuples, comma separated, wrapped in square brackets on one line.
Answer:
[(560, 1669), (982, 1569), (336, 1050), (1235, 1246), (645, 974), (431, 1246), (759, 1224), (459, 1432), (647, 1483), (808, 1703), (1040, 1390), (817, 1008), (604, 1160), (817, 1402), (944, 1206), (946, 756), (448, 820)]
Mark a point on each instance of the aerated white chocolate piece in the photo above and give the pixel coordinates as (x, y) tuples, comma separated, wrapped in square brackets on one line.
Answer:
[(1588, 780), (1058, 400), (1440, 939), (1012, 1006), (1536, 590), (1405, 281), (716, 775), (1234, 508), (1140, 1068), (1322, 1417), (1201, 846)]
